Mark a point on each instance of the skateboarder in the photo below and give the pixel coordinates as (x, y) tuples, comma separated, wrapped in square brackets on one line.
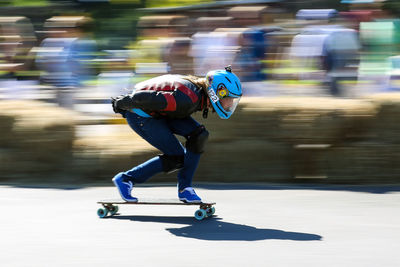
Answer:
[(159, 108)]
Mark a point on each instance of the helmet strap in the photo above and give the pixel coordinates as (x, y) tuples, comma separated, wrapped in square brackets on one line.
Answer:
[(205, 110), (205, 113), (208, 102)]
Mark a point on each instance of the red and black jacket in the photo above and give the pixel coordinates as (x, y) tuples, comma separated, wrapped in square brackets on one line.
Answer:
[(167, 95)]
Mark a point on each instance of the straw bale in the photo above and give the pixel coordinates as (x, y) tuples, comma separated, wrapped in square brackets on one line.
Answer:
[(36, 140), (364, 162), (100, 153), (248, 160), (247, 11), (386, 127), (110, 139), (256, 145), (6, 126), (100, 156), (38, 127), (294, 120), (21, 166)]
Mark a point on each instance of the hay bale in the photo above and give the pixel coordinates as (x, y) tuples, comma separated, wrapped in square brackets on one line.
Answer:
[(386, 127), (294, 120), (41, 141), (248, 160), (19, 166), (6, 126), (45, 130), (364, 162), (102, 151), (36, 141), (311, 120)]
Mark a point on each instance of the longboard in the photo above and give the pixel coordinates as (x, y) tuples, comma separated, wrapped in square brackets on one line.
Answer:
[(110, 206)]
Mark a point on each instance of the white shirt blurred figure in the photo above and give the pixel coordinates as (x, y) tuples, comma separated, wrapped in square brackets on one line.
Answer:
[(326, 53), (64, 55), (212, 50)]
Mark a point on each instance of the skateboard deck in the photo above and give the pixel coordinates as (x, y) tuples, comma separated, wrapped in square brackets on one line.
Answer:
[(110, 206)]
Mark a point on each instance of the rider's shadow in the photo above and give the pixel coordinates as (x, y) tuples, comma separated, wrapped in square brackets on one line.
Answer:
[(217, 230)]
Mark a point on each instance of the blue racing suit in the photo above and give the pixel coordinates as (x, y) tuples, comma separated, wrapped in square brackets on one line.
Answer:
[(157, 110)]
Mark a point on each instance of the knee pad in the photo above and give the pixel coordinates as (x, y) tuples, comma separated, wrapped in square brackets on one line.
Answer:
[(171, 163), (197, 140)]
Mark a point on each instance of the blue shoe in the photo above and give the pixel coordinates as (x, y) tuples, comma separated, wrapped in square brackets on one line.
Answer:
[(188, 195), (124, 187)]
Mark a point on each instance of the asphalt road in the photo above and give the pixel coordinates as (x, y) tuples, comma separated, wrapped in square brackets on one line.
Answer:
[(256, 225)]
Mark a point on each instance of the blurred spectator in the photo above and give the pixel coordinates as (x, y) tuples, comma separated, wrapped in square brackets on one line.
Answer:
[(380, 41), (248, 15), (317, 14), (17, 38), (150, 57), (208, 24), (156, 41), (213, 50), (178, 57), (326, 53), (162, 26), (393, 79), (249, 66), (254, 44), (207, 46), (116, 74), (355, 17), (64, 57)]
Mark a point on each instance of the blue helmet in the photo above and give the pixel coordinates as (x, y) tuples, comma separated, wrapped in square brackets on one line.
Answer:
[(224, 90)]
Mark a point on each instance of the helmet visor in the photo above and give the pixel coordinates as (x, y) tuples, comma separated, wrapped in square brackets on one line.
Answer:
[(229, 104)]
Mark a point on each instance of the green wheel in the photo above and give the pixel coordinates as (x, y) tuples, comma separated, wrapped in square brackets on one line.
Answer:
[(113, 210), (210, 211), (102, 212), (200, 214)]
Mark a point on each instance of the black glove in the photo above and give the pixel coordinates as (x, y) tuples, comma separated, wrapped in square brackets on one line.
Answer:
[(122, 103), (114, 103)]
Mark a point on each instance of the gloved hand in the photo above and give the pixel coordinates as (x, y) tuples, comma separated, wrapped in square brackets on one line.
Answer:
[(122, 103), (114, 103)]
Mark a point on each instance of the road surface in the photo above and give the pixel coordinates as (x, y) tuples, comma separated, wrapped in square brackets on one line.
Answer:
[(255, 225)]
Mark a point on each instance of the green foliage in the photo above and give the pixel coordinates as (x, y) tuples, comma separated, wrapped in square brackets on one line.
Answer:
[(294, 6), (116, 22), (160, 3), (23, 3), (167, 3)]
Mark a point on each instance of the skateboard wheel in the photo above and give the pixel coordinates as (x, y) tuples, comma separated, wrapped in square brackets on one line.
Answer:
[(210, 211), (113, 210), (102, 212), (200, 214)]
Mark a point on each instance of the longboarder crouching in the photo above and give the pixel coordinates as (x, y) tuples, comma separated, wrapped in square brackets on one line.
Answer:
[(161, 107)]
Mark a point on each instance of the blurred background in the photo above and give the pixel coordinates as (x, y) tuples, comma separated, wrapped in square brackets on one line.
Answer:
[(321, 83)]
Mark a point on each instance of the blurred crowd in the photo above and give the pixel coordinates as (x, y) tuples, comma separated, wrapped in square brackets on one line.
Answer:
[(262, 43)]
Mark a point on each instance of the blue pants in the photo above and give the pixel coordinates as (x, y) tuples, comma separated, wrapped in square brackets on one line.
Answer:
[(160, 133)]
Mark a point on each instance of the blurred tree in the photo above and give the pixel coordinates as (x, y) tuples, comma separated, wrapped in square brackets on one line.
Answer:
[(393, 6), (125, 1), (165, 3), (295, 5), (24, 2), (159, 3)]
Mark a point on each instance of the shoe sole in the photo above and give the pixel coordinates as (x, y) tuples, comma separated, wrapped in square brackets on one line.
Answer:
[(119, 191), (187, 201)]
